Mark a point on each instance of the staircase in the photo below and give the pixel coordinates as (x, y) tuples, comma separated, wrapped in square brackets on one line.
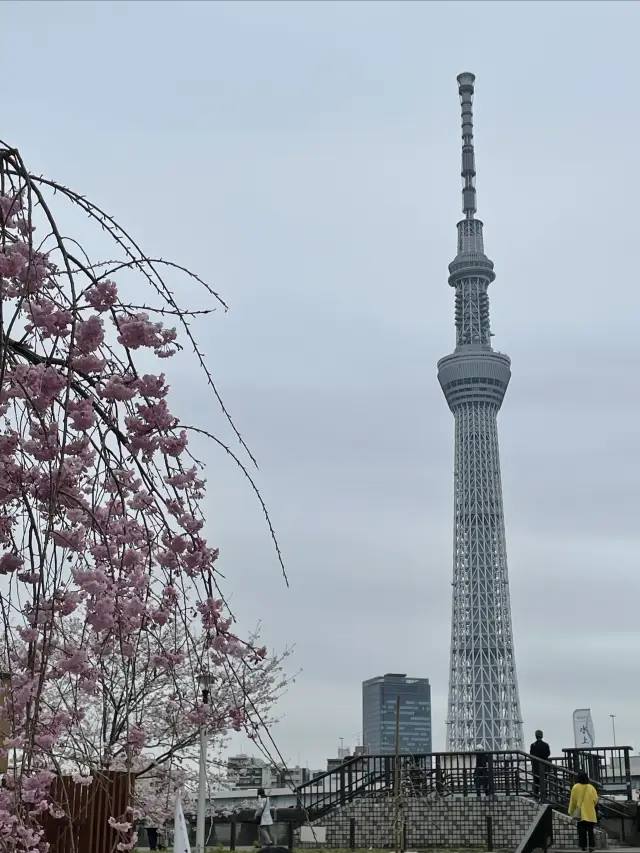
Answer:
[(460, 775)]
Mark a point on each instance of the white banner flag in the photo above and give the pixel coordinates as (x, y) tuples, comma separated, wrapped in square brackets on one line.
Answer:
[(583, 733), (180, 833)]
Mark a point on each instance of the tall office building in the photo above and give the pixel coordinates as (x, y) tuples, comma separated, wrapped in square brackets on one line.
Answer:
[(379, 704), (484, 707)]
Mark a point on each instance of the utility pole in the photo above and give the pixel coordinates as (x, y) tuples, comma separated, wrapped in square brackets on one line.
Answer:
[(397, 789), (613, 725)]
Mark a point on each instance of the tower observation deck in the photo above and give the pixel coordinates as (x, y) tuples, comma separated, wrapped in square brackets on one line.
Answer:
[(483, 706)]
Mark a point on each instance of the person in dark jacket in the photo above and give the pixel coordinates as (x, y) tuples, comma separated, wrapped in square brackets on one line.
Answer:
[(152, 835), (539, 749), (481, 773)]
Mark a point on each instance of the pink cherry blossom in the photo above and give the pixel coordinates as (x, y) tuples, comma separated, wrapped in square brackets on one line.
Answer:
[(89, 334), (106, 566), (102, 296), (73, 539), (10, 563), (118, 388)]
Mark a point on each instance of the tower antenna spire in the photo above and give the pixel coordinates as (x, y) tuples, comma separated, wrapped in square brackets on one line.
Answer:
[(466, 86)]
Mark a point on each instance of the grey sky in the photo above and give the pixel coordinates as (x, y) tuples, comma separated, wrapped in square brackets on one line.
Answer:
[(304, 158)]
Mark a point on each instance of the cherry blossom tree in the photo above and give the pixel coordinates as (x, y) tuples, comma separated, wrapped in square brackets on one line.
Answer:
[(142, 703), (109, 595)]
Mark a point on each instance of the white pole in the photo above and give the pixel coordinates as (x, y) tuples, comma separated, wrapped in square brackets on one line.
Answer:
[(202, 792)]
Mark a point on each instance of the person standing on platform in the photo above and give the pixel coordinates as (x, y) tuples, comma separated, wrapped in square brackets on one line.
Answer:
[(582, 808), (152, 836), (481, 773), (539, 749), (264, 819)]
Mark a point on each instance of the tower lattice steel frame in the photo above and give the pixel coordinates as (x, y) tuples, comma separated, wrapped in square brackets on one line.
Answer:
[(484, 707)]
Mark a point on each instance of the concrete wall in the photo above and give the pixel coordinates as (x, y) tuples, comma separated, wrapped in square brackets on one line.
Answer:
[(446, 823)]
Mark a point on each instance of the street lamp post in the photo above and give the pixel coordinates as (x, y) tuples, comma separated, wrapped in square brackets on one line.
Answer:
[(5, 687), (204, 681), (613, 725)]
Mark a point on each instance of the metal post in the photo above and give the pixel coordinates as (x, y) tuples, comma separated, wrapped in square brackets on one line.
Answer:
[(613, 725), (439, 776), (5, 727), (202, 792), (232, 833), (352, 833), (491, 782), (489, 833), (202, 774), (627, 775), (396, 784), (544, 794)]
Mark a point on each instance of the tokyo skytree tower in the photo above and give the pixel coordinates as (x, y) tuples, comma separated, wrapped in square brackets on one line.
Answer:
[(484, 707)]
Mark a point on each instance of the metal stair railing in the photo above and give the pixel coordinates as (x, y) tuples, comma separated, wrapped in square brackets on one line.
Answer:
[(444, 775)]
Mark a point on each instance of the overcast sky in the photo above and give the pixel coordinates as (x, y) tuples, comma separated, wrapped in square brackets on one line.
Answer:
[(304, 157)]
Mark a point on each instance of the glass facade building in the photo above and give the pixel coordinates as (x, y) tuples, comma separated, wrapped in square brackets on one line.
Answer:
[(379, 702)]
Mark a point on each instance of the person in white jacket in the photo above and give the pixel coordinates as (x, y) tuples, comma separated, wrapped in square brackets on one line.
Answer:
[(264, 819)]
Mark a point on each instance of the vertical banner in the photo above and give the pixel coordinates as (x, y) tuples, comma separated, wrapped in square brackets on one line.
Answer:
[(180, 833), (583, 733), (5, 728)]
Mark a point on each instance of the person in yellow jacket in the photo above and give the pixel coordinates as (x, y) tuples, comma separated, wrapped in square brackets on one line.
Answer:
[(582, 808)]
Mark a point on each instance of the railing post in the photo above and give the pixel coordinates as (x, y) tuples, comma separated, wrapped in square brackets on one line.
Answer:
[(558, 789), (439, 785), (352, 833), (508, 773), (516, 772), (290, 835), (343, 798), (627, 774), (574, 760), (489, 833), (543, 782), (491, 782), (232, 833), (404, 836), (387, 771)]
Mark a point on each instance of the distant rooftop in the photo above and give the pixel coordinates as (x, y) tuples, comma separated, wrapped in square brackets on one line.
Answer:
[(394, 677)]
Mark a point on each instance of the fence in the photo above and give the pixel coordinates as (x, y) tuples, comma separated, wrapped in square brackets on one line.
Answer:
[(460, 775), (238, 833), (83, 823), (609, 766)]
